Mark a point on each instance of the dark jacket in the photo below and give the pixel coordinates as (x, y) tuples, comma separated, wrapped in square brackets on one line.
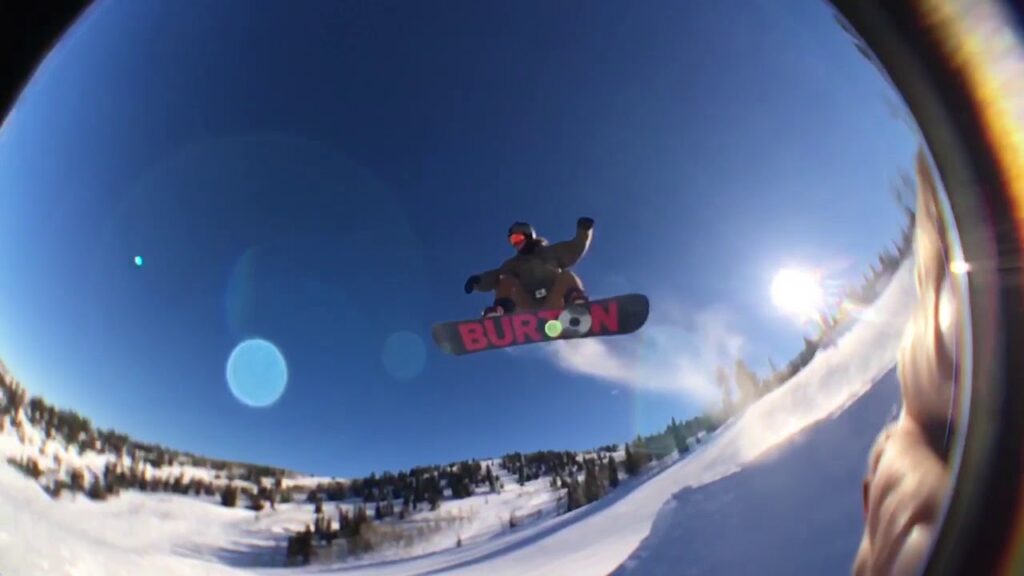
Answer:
[(539, 263)]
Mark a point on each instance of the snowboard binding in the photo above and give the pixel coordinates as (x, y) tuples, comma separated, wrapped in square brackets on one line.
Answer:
[(500, 307), (575, 297)]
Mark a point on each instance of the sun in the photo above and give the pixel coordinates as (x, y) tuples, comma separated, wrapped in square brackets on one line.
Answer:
[(798, 292)]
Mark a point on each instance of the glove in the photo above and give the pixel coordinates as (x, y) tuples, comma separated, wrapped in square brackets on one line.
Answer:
[(585, 224), (471, 284)]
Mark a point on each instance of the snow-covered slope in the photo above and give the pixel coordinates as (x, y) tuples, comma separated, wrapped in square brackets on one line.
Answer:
[(796, 511), (131, 535), (25, 443), (170, 535)]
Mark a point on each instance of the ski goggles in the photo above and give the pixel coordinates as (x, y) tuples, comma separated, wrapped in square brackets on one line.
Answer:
[(516, 238)]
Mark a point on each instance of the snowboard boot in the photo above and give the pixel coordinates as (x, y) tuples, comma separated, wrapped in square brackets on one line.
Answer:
[(575, 297), (500, 307)]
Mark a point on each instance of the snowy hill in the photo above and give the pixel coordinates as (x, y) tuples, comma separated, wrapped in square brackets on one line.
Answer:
[(62, 450), (667, 516), (817, 473)]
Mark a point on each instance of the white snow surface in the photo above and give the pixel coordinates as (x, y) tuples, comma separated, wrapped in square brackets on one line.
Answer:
[(169, 535)]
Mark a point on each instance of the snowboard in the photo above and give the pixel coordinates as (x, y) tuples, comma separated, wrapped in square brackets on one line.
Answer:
[(613, 316)]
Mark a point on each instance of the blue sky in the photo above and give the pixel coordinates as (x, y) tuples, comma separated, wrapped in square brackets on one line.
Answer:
[(325, 175)]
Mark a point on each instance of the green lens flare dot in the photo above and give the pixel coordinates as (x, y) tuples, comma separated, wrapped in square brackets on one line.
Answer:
[(553, 328), (138, 260)]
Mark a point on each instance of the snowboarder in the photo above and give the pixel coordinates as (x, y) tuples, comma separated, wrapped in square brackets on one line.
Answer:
[(537, 276)]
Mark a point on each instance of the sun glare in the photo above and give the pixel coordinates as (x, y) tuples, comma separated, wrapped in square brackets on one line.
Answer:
[(798, 292), (959, 267)]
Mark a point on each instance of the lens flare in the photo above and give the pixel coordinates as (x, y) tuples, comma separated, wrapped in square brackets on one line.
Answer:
[(959, 267), (553, 328), (404, 355), (798, 292), (257, 373)]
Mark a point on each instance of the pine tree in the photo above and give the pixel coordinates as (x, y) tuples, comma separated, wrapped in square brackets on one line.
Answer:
[(722, 380), (679, 437), (613, 473), (575, 498), (490, 479), (746, 383), (229, 497), (641, 455), (591, 485), (359, 519), (631, 464), (97, 491), (344, 519), (419, 491), (78, 480), (110, 478)]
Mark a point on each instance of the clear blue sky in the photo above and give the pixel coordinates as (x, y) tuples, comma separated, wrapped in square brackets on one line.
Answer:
[(326, 174)]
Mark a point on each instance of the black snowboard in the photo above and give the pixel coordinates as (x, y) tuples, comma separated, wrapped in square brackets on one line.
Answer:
[(613, 316)]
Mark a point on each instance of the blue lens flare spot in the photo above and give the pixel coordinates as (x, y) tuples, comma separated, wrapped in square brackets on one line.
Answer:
[(257, 373), (404, 355)]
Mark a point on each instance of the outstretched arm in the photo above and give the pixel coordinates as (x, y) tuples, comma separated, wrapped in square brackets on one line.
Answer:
[(484, 282), (566, 254)]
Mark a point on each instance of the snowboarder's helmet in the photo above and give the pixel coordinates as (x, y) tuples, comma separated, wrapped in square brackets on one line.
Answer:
[(519, 233)]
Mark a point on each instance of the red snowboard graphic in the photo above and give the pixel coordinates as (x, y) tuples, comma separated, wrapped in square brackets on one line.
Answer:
[(607, 317)]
